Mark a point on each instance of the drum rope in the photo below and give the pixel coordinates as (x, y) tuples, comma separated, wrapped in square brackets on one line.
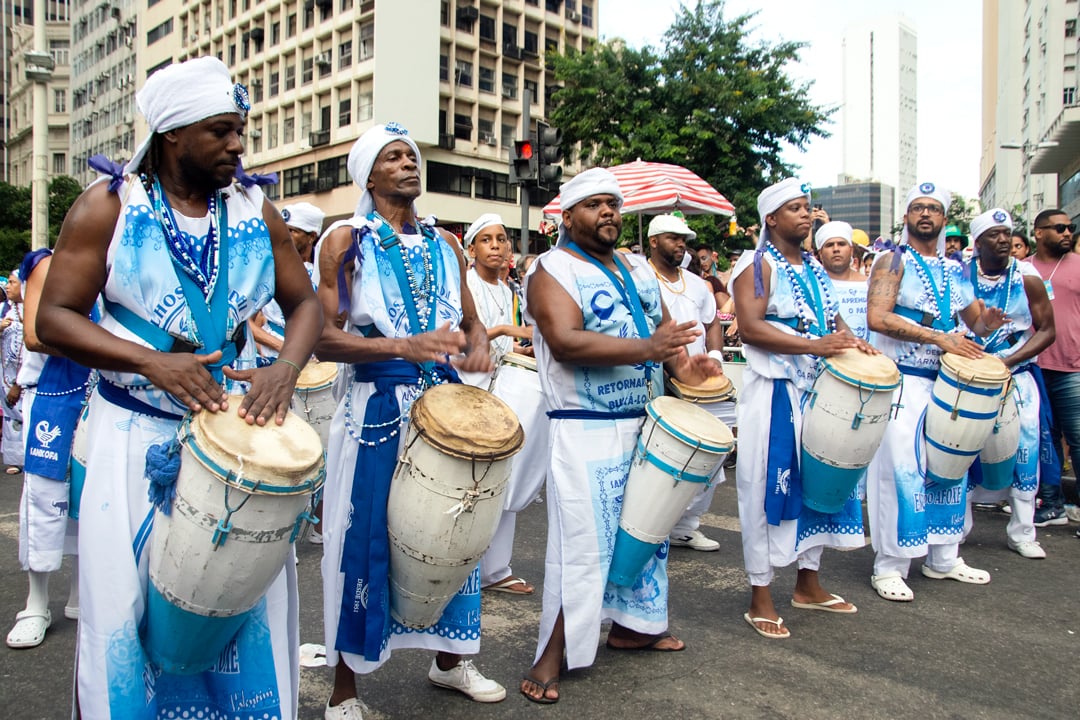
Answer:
[(467, 503), (224, 526)]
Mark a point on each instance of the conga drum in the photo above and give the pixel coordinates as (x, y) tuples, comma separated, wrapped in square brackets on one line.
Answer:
[(517, 383), (843, 425), (77, 464), (964, 407), (678, 451), (998, 456), (716, 389), (446, 496), (241, 496), (313, 399)]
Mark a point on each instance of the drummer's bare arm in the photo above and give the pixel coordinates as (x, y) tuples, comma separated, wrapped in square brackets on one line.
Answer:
[(714, 335), (32, 287), (261, 336), (75, 279), (881, 318), (1042, 319), (755, 330), (560, 323), (477, 350), (336, 345), (272, 386), (981, 319)]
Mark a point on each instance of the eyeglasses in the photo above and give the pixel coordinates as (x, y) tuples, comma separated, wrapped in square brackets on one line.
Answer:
[(919, 209), (1059, 228)]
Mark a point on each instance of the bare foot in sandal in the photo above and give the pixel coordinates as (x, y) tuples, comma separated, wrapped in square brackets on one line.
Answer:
[(544, 693)]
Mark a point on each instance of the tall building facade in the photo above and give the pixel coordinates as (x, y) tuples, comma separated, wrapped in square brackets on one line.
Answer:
[(18, 100), (879, 113), (864, 205), (321, 72), (1031, 105)]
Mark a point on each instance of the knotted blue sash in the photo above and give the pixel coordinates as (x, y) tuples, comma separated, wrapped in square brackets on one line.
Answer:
[(365, 559), (54, 414), (783, 483)]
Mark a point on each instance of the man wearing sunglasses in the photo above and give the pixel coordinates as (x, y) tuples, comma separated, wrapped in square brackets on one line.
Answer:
[(1060, 363)]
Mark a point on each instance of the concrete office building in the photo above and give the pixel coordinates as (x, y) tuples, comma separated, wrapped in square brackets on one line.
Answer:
[(321, 72), (1031, 103), (18, 100), (864, 205), (879, 111)]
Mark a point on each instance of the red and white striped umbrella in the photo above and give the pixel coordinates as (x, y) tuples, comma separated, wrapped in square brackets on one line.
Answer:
[(654, 188)]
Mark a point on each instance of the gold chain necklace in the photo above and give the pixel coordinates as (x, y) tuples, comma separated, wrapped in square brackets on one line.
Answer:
[(670, 283)]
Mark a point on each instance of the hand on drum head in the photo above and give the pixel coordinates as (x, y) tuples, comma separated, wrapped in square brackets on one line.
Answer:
[(693, 370), (184, 375), (270, 395), (958, 344), (669, 338), (435, 346), (835, 343)]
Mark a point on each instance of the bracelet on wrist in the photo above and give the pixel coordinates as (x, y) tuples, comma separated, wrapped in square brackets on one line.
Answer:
[(290, 363)]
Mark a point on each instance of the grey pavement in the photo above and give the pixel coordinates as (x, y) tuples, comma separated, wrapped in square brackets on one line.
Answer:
[(1009, 649)]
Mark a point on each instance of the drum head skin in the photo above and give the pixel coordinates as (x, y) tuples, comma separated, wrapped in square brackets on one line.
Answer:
[(714, 387), (316, 374), (692, 422), (986, 368), (521, 361), (857, 368), (467, 422), (280, 455)]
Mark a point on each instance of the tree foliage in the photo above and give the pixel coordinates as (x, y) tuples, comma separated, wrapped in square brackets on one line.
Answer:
[(16, 212), (711, 99)]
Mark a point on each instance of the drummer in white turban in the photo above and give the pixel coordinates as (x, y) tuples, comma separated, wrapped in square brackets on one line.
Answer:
[(916, 300), (789, 318), (397, 310), (602, 332), (305, 222), (181, 257)]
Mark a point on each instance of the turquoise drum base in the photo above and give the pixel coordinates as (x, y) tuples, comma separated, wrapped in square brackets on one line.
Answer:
[(184, 643), (77, 474), (998, 476), (826, 488), (629, 558)]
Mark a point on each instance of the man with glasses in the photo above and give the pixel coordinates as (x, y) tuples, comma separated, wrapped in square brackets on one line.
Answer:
[(1060, 363), (915, 303)]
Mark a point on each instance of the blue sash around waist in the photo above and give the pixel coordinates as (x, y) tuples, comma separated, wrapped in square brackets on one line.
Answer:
[(783, 481)]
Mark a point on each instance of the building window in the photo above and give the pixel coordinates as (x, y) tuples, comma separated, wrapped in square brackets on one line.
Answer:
[(507, 137), (288, 127), (532, 42), (365, 107), (444, 68), (486, 130), (344, 112), (509, 86), (60, 49), (1070, 28), (290, 26), (509, 35), (444, 13), (275, 32), (1069, 96), (307, 71), (290, 76), (60, 101), (159, 32), (59, 164), (463, 73), (298, 180), (533, 87), (553, 5), (448, 179), (487, 28), (345, 55), (586, 14), (232, 55), (345, 5), (275, 81), (367, 41), (309, 15), (462, 127), (487, 80)]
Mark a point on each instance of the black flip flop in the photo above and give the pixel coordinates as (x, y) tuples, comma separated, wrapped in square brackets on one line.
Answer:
[(647, 647), (543, 699)]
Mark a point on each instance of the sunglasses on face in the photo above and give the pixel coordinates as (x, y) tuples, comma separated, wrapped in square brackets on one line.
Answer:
[(1059, 228)]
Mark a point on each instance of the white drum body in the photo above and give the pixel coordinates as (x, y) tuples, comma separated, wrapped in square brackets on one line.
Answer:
[(517, 383), (963, 409), (445, 506), (313, 399), (843, 426), (678, 452), (77, 466), (998, 456), (228, 534)]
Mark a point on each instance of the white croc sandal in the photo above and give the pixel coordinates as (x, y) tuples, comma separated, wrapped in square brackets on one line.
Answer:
[(891, 586), (961, 572), (29, 630)]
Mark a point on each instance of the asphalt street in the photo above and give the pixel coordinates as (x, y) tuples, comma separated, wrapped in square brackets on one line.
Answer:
[(1009, 649)]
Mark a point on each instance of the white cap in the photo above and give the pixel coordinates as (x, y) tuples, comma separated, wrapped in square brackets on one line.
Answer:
[(670, 224), (830, 230)]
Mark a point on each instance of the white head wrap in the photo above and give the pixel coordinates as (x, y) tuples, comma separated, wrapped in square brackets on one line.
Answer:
[(990, 219), (484, 221), (774, 197), (364, 153), (183, 94), (303, 215), (934, 192), (595, 181), (830, 230)]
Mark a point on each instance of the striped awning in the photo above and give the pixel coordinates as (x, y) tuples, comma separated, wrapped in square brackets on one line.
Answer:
[(655, 188)]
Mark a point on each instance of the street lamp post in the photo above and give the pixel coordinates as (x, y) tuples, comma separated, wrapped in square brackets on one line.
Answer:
[(1030, 150)]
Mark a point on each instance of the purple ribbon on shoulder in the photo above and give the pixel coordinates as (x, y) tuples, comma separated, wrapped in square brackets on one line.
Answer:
[(254, 178), (105, 166), (886, 245)]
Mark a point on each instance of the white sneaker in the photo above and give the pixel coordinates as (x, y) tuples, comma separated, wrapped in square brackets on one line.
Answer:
[(347, 710), (315, 537), (694, 540), (465, 678), (1029, 549)]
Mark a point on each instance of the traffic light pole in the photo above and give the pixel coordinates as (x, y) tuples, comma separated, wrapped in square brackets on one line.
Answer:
[(526, 129)]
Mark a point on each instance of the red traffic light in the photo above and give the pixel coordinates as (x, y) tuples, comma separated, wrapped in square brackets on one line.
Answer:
[(523, 149)]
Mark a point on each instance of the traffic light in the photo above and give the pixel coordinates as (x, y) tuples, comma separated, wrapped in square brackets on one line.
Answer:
[(523, 163), (549, 173)]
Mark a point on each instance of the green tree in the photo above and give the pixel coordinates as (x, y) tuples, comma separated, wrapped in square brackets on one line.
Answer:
[(713, 100), (961, 212), (14, 225)]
